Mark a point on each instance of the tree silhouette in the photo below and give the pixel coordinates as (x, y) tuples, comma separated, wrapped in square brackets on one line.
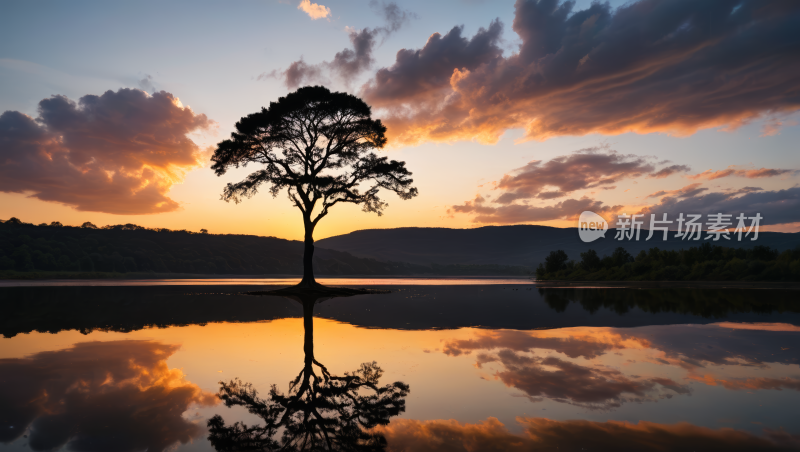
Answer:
[(318, 146), (320, 412)]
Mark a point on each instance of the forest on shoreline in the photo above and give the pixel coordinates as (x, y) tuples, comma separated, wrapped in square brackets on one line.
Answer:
[(53, 250), (706, 262)]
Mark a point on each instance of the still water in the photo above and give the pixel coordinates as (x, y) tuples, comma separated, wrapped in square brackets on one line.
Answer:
[(460, 367)]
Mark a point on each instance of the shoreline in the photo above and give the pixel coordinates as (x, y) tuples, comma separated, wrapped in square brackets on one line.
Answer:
[(791, 285), (43, 276)]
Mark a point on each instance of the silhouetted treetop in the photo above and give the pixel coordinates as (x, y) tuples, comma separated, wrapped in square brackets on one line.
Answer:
[(317, 145), (303, 139)]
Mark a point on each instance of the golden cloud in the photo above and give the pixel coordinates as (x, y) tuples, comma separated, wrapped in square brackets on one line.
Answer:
[(117, 153)]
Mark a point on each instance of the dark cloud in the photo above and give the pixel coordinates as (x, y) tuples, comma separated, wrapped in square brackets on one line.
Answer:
[(702, 351), (351, 62), (685, 192), (647, 66), (346, 65), (775, 207), (422, 76), (522, 213), (117, 153), (118, 395), (545, 434), (669, 171), (733, 170), (587, 168), (752, 384), (591, 168), (592, 387), (299, 73), (394, 16)]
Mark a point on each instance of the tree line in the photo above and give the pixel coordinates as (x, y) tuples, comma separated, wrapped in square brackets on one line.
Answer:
[(88, 250), (706, 262)]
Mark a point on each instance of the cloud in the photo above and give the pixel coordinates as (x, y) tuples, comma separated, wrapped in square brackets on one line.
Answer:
[(647, 66), (117, 153), (773, 125), (394, 16), (314, 10), (685, 192), (752, 384), (775, 207), (117, 395), (593, 387), (146, 84), (575, 345), (582, 377), (599, 168), (584, 169), (725, 344), (420, 79), (298, 74), (759, 326), (590, 168), (521, 213), (545, 434), (734, 170), (669, 171), (348, 63)]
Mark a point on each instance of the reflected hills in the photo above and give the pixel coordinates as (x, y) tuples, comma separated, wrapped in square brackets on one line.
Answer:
[(523, 307)]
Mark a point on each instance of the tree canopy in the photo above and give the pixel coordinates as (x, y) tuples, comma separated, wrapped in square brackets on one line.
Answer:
[(319, 146)]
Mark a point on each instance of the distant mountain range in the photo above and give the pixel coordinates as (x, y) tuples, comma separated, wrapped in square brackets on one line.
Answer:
[(63, 251), (525, 245)]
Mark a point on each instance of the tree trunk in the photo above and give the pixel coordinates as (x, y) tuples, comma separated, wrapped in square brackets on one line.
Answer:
[(308, 256), (308, 326)]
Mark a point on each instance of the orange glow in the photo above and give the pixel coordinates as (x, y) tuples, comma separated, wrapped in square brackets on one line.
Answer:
[(547, 434), (760, 326)]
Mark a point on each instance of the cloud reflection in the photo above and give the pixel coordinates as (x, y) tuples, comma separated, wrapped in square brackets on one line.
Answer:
[(546, 434), (117, 395), (575, 366)]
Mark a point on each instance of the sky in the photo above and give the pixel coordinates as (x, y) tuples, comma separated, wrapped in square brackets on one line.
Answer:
[(525, 112)]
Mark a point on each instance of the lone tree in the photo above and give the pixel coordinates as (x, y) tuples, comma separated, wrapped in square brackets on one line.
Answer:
[(317, 145)]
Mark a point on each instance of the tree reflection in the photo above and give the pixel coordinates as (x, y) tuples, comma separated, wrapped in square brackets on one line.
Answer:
[(713, 303), (320, 412)]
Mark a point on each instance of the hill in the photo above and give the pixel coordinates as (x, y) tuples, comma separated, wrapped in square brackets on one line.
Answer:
[(25, 248), (508, 245)]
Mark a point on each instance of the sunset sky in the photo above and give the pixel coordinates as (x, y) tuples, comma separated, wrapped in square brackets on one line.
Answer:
[(525, 113)]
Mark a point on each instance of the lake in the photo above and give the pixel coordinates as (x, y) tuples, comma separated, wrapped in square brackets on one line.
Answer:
[(435, 365)]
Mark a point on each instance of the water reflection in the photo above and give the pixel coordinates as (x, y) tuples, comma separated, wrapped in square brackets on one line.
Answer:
[(320, 412), (603, 368), (577, 435), (97, 396), (87, 309), (625, 383), (702, 302)]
